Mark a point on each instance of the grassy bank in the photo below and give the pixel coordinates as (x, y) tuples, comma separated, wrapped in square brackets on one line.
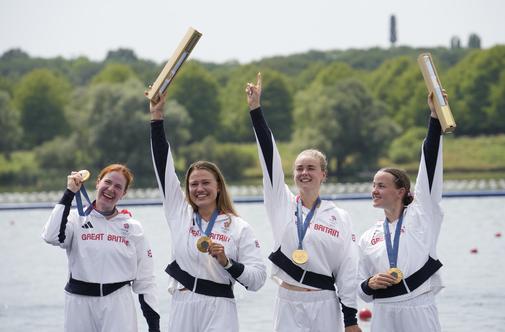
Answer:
[(464, 158)]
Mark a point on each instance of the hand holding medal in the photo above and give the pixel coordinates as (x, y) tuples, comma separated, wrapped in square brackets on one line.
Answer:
[(76, 179), (204, 242)]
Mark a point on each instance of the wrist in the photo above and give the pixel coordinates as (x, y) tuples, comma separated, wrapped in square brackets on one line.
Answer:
[(228, 264), (254, 106)]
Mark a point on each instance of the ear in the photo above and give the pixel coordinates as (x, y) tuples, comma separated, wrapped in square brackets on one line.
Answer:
[(401, 192)]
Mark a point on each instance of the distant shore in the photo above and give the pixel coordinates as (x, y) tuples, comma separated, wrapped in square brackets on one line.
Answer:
[(254, 194)]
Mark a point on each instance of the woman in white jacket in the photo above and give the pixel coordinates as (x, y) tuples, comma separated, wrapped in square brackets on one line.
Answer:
[(212, 247), (108, 257), (399, 264), (315, 256)]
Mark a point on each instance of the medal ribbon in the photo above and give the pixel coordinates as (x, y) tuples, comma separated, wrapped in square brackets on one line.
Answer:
[(78, 202), (303, 226), (392, 249), (198, 220)]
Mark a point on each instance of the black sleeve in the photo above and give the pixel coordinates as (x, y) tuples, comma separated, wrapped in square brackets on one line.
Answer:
[(264, 135), (152, 317), (366, 289), (66, 200), (160, 149), (349, 315), (236, 269), (430, 148)]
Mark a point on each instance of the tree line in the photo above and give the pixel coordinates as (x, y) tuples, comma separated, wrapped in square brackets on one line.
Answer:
[(356, 105)]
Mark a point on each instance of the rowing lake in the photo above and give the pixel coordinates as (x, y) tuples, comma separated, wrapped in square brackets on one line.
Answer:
[(33, 274)]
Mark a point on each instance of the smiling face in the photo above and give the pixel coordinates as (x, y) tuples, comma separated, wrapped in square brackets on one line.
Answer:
[(308, 173), (203, 189), (385, 193), (110, 189)]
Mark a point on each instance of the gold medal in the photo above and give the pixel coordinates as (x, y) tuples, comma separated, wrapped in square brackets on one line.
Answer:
[(300, 256), (85, 174), (396, 273), (203, 244)]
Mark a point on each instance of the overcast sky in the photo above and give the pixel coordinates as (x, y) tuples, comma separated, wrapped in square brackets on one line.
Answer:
[(239, 30)]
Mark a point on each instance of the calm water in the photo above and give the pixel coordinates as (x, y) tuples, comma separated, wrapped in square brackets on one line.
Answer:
[(33, 274)]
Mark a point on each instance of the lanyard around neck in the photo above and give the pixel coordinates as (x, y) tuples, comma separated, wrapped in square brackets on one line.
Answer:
[(198, 220), (392, 248), (302, 226)]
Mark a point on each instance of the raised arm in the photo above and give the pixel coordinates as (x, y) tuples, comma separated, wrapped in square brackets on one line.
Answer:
[(277, 195), (173, 197), (57, 230), (432, 142)]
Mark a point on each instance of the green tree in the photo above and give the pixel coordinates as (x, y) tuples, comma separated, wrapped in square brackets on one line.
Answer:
[(9, 125), (231, 160), (276, 98), (114, 73), (403, 149), (496, 109), (346, 122), (41, 97), (198, 92), (470, 84), (177, 124)]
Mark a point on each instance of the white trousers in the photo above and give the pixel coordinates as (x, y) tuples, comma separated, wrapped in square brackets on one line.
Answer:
[(317, 311), (419, 314), (191, 312), (112, 313)]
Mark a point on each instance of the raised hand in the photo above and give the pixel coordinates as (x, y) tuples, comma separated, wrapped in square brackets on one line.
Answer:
[(156, 109), (431, 103), (74, 181), (253, 92)]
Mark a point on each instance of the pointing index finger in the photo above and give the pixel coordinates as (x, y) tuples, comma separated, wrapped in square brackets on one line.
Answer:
[(258, 80)]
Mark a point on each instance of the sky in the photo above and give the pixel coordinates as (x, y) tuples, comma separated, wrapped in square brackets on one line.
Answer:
[(239, 30)]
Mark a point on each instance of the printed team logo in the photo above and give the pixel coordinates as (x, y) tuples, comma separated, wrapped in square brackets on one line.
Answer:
[(125, 229), (226, 225), (257, 243), (353, 236), (149, 253), (377, 237), (332, 221), (87, 225)]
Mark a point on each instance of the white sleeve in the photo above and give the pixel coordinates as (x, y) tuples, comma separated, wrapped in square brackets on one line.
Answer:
[(145, 282), (347, 270), (254, 272), (429, 201), (59, 228), (363, 270)]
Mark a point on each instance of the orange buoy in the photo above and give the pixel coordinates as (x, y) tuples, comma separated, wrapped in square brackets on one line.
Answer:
[(365, 314), (474, 250), (497, 234)]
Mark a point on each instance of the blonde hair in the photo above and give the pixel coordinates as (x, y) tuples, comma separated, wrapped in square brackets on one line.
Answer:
[(317, 155), (223, 200)]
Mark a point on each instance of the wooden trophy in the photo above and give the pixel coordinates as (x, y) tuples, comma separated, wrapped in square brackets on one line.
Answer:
[(173, 65), (433, 84)]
